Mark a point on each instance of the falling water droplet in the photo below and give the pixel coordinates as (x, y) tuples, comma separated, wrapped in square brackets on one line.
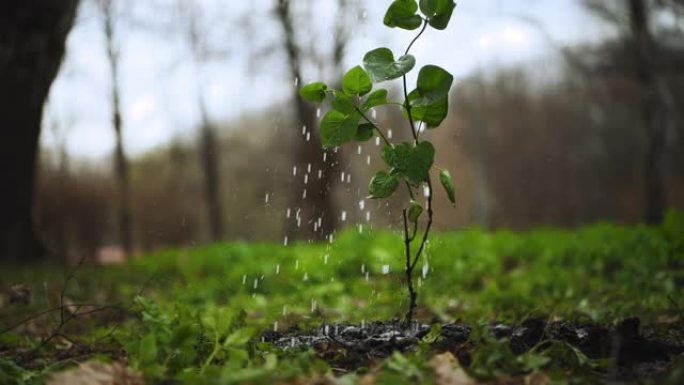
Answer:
[(360, 228), (297, 264), (363, 268), (343, 216), (266, 199), (325, 156), (374, 114), (426, 191), (305, 277), (308, 167), (296, 81), (244, 279), (389, 133), (358, 149), (313, 305), (342, 177), (275, 326), (362, 204), (425, 270), (256, 283), (368, 159), (326, 330), (303, 130), (385, 269), (325, 259), (308, 136), (367, 276), (318, 112), (306, 178), (278, 269), (288, 213), (304, 194), (284, 310), (285, 241), (367, 216), (320, 174), (294, 171), (377, 140)]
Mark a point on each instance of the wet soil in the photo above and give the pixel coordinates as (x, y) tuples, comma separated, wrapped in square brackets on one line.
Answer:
[(635, 351)]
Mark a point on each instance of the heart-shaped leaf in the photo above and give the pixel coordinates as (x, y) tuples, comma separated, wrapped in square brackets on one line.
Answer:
[(376, 98), (381, 65), (438, 12), (434, 84), (337, 128), (433, 114), (383, 185), (356, 82), (313, 92), (413, 163), (402, 14)]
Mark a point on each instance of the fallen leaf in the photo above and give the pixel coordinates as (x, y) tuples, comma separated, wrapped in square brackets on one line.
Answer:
[(97, 373), (448, 371)]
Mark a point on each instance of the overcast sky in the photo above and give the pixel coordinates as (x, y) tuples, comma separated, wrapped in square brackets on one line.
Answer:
[(159, 83)]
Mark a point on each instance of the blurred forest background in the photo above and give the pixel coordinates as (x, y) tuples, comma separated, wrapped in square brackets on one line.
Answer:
[(579, 131)]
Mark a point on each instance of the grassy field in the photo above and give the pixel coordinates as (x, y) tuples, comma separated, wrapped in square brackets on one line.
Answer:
[(195, 315)]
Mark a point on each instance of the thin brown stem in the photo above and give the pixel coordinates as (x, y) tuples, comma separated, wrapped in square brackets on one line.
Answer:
[(413, 296), (428, 226), (407, 106), (375, 126)]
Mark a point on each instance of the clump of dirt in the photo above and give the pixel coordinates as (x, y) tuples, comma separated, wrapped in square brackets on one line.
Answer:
[(637, 351)]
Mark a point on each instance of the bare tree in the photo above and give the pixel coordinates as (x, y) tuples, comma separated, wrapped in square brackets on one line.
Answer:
[(208, 144), (311, 197), (653, 105), (32, 44), (120, 160)]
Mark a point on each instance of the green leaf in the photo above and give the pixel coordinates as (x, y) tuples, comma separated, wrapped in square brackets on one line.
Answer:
[(313, 92), (422, 158), (448, 184), (343, 103), (402, 14), (356, 82), (383, 185), (434, 84), (337, 128), (376, 98), (414, 211), (432, 114), (381, 65), (239, 337), (413, 163), (438, 12), (364, 132), (148, 350)]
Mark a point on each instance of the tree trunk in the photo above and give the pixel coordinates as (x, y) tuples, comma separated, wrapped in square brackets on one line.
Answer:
[(120, 160), (211, 177), (652, 112), (32, 44), (311, 200)]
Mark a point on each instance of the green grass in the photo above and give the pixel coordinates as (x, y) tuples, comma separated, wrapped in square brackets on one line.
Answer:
[(198, 308)]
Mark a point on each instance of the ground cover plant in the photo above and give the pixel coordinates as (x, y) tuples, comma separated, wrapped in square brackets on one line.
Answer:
[(246, 313), (409, 163)]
